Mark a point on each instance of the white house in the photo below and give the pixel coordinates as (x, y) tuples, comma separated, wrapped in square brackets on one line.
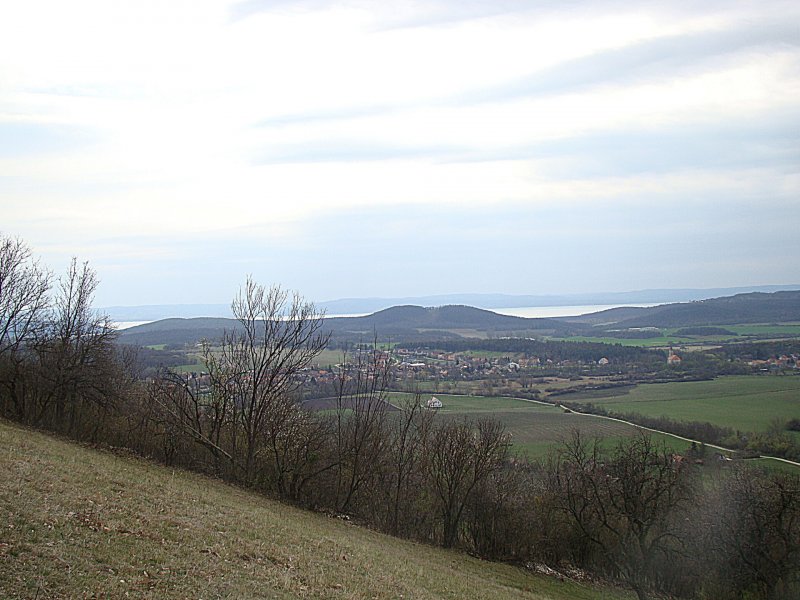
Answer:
[(434, 402)]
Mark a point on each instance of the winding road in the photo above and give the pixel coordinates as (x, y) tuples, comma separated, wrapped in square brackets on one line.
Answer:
[(680, 437)]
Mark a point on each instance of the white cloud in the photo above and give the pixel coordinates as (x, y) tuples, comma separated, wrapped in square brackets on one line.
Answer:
[(196, 124)]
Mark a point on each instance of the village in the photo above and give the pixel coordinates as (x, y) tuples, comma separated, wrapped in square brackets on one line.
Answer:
[(488, 372)]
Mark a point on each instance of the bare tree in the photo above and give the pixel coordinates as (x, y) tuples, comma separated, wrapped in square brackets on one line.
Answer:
[(409, 431), (624, 503), (361, 428), (24, 288), (258, 364), (461, 455), (76, 353), (185, 411), (754, 533), (299, 449)]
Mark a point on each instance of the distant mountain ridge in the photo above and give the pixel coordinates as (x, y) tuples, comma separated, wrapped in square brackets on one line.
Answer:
[(486, 301), (490, 301)]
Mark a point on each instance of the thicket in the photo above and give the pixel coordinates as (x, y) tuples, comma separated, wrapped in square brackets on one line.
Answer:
[(758, 350), (635, 514)]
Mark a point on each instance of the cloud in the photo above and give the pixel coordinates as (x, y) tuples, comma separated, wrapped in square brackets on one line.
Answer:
[(25, 139), (362, 149), (348, 150), (354, 112), (652, 59), (401, 15), (762, 141)]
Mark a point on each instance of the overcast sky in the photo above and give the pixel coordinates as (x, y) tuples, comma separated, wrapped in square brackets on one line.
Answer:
[(349, 149)]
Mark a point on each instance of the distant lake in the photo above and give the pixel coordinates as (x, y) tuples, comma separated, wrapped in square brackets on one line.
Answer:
[(562, 311), (126, 324)]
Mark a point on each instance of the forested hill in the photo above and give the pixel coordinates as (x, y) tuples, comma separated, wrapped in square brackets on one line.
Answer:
[(176, 331), (443, 317), (757, 307), (416, 323), (400, 323)]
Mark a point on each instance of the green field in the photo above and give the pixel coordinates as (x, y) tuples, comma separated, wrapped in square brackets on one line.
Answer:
[(746, 403), (328, 357), (77, 522), (190, 368), (538, 428), (664, 340), (782, 330), (772, 330)]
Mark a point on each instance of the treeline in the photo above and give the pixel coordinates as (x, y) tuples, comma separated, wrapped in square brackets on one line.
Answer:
[(758, 350), (59, 367), (635, 514), (773, 442), (703, 331), (556, 351), (702, 431), (344, 340), (150, 360)]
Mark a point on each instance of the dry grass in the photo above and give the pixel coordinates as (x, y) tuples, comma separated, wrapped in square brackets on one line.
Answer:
[(77, 522)]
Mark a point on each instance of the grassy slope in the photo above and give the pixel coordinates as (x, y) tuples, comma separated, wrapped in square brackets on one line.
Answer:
[(77, 522), (746, 403)]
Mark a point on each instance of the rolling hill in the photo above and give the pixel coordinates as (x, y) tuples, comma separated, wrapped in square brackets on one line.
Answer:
[(417, 323), (406, 323), (757, 307)]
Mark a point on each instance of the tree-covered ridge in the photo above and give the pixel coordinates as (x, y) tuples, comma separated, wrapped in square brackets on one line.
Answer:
[(756, 307)]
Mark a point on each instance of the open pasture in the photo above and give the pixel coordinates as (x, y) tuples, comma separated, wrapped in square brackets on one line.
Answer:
[(746, 403), (328, 357), (669, 335), (538, 428), (536, 433), (654, 342), (779, 330)]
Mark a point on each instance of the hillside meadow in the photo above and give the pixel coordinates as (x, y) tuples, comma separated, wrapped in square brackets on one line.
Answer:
[(80, 522)]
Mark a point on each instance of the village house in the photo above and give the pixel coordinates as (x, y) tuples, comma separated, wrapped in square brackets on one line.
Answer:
[(433, 402)]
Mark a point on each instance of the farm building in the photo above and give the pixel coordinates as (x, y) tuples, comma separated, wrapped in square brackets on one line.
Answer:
[(434, 402), (672, 358)]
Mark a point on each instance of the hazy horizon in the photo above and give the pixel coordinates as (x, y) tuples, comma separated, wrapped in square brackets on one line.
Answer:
[(515, 305), (559, 297), (351, 150)]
